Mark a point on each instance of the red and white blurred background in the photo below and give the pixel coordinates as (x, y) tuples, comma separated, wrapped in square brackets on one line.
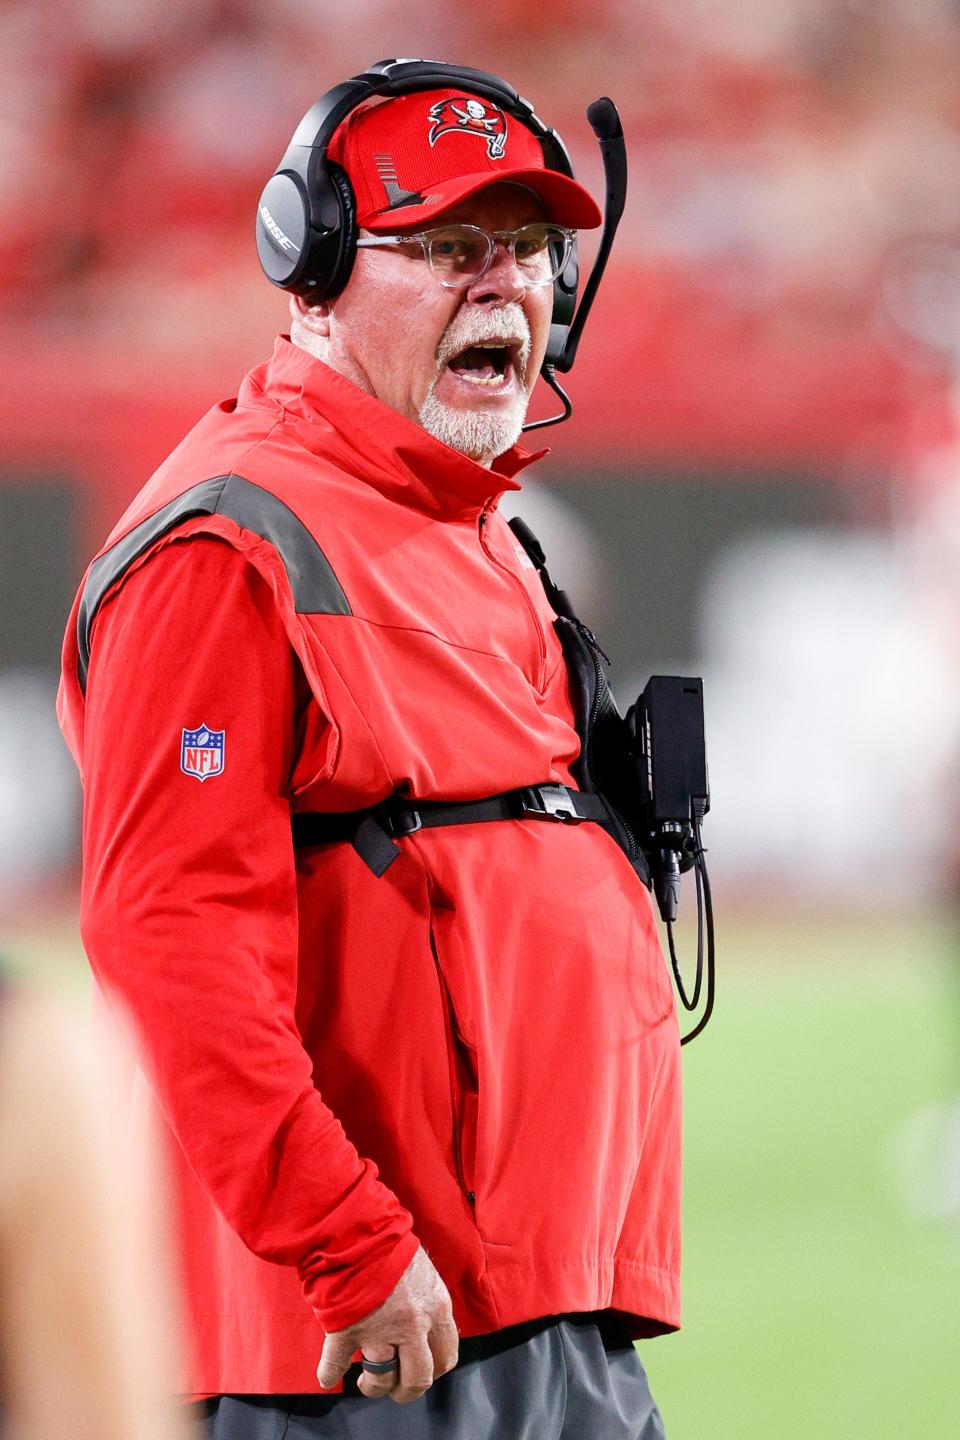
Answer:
[(760, 480)]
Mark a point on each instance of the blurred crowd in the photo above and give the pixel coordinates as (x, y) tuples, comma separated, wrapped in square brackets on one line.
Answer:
[(783, 307), (792, 164)]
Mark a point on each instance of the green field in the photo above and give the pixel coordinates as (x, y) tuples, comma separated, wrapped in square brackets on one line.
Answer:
[(822, 1268), (822, 1288)]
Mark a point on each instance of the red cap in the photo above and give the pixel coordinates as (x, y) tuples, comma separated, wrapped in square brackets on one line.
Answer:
[(413, 157)]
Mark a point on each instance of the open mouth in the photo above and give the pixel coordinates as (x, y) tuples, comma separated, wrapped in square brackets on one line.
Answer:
[(490, 363)]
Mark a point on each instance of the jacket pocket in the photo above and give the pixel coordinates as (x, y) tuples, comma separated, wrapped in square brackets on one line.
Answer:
[(464, 1089)]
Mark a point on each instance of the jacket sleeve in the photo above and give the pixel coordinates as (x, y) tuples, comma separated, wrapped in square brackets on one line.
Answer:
[(189, 913)]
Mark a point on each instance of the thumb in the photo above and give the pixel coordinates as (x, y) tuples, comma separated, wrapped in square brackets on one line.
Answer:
[(334, 1360)]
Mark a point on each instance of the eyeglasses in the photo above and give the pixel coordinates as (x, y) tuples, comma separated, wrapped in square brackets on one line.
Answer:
[(460, 254)]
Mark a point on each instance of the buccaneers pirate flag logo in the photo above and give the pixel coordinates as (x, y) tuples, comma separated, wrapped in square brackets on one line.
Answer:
[(471, 117)]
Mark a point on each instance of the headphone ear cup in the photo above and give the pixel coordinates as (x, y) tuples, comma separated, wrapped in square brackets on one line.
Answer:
[(283, 229), (331, 252), (564, 306), (349, 229)]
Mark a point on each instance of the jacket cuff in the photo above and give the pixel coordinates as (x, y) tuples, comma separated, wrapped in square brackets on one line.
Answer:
[(340, 1298)]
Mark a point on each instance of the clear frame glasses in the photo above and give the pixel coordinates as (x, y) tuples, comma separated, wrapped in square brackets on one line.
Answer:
[(459, 254)]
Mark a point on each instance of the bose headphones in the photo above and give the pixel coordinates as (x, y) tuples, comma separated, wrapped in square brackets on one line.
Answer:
[(307, 217)]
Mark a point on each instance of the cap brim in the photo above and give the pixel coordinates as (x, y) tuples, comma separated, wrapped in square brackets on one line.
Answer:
[(565, 202)]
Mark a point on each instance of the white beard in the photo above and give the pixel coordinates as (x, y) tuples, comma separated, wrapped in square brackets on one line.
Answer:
[(479, 434)]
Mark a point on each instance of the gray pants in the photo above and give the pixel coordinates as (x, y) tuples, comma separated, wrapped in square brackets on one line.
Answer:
[(574, 1377)]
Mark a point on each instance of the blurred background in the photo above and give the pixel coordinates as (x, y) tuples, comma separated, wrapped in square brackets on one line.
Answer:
[(760, 484)]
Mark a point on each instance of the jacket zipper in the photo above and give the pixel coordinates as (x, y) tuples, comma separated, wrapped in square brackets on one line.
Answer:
[(587, 637), (534, 615), (455, 1092)]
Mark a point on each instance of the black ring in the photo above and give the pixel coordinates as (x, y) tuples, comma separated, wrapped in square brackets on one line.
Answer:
[(381, 1367)]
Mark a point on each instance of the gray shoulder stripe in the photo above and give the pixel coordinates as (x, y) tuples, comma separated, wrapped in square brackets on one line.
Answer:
[(316, 590)]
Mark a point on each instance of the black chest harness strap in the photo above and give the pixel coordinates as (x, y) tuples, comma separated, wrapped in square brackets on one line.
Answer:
[(374, 832)]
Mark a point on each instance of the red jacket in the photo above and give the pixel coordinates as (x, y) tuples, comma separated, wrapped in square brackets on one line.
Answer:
[(477, 1051)]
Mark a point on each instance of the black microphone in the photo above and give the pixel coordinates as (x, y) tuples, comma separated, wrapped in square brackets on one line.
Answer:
[(604, 120)]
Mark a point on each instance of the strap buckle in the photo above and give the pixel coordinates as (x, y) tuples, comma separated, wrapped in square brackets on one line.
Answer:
[(401, 821), (550, 802)]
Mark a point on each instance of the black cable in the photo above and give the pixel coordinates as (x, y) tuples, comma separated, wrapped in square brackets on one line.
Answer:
[(551, 379), (707, 913), (693, 1001)]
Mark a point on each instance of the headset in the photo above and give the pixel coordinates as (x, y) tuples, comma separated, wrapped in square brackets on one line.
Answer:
[(307, 217)]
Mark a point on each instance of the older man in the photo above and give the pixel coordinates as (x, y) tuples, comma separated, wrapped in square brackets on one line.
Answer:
[(420, 1070)]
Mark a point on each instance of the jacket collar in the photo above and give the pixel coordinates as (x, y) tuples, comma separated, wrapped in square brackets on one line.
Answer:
[(386, 449)]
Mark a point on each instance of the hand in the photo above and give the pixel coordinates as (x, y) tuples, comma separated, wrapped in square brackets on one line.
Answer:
[(415, 1322)]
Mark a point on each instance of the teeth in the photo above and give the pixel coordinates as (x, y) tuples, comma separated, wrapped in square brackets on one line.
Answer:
[(477, 380), (490, 345)]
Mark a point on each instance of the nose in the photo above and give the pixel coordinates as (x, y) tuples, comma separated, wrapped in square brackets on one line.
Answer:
[(501, 283)]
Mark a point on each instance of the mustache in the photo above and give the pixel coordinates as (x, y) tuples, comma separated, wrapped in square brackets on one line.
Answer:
[(508, 323)]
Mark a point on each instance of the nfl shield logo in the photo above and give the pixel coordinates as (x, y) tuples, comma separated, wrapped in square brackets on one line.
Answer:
[(202, 752)]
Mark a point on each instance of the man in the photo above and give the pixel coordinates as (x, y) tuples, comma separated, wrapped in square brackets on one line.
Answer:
[(426, 1081), (85, 1305)]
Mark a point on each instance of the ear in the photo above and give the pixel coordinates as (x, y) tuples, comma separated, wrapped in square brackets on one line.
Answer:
[(313, 317)]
